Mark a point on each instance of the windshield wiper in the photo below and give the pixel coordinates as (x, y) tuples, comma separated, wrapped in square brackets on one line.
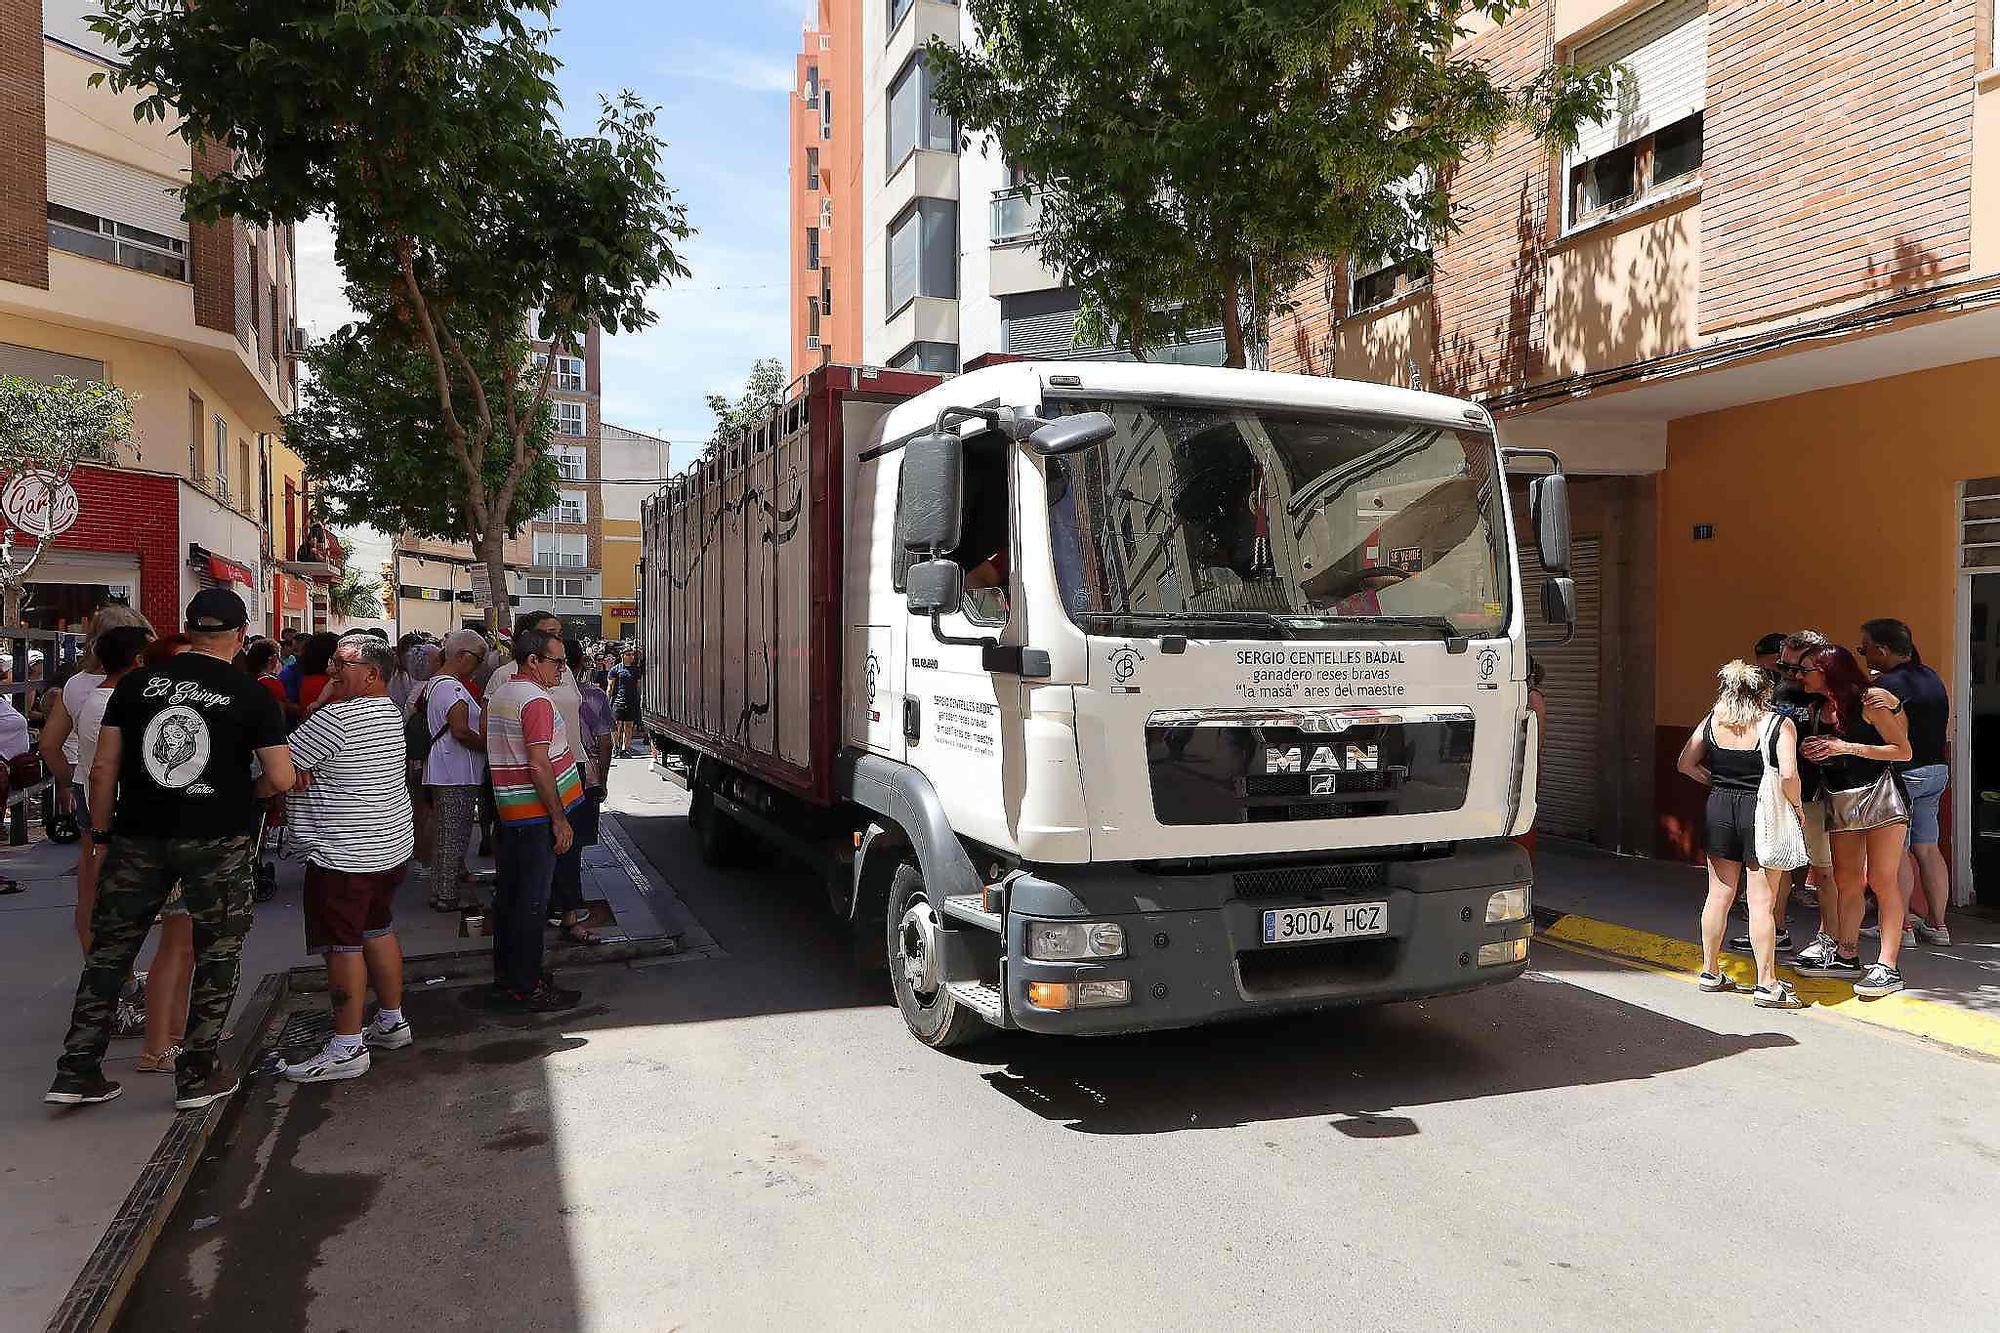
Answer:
[(1177, 622), (1440, 623)]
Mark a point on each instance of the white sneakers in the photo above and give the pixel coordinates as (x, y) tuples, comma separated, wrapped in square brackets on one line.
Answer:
[(338, 1060), (332, 1064)]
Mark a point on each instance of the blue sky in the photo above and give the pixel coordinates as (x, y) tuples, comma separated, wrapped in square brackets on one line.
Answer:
[(719, 70)]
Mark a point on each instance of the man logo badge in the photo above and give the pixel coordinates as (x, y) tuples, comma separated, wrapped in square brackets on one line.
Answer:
[(1325, 759)]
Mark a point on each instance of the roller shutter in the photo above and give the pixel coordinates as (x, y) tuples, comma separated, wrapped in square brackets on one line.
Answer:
[(108, 189), (1570, 772), (1665, 55)]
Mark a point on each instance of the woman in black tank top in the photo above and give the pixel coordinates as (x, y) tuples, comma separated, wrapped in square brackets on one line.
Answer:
[(1729, 753), (1870, 735)]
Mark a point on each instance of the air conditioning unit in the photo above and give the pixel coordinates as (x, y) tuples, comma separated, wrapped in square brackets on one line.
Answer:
[(296, 341), (826, 41), (826, 212), (812, 342)]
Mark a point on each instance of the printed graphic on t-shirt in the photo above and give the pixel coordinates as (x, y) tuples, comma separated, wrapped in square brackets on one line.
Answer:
[(176, 749)]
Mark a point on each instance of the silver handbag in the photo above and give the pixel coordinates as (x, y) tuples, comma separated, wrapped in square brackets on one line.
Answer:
[(1861, 808)]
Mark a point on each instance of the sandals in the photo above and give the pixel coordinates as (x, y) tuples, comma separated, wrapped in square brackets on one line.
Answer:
[(163, 1063), (440, 905), (1778, 996)]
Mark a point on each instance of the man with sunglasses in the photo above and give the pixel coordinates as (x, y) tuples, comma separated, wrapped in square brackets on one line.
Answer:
[(537, 782)]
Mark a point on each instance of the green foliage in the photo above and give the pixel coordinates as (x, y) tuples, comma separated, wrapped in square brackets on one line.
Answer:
[(1198, 157), (52, 426), (763, 391), (426, 130), (369, 428), (355, 596)]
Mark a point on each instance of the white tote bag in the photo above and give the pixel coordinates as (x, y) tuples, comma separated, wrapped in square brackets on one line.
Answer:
[(1781, 839)]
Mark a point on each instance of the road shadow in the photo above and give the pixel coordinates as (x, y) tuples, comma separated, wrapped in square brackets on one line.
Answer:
[(1366, 1070)]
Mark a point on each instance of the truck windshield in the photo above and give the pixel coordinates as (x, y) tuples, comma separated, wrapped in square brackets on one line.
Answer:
[(1266, 523)]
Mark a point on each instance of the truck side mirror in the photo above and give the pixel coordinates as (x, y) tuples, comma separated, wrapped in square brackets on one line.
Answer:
[(1548, 502), (933, 480), (1067, 435), (1558, 602), (934, 587)]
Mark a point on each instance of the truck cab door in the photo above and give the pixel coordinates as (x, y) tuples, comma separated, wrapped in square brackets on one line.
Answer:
[(874, 639)]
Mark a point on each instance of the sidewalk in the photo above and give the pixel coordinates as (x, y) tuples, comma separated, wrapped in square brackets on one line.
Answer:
[(64, 1174), (1650, 912)]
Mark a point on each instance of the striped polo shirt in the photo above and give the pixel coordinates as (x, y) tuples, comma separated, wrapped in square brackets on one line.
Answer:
[(519, 714), (354, 814)]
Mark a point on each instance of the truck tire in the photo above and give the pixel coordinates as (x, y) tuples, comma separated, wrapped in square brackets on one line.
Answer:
[(718, 839), (915, 964)]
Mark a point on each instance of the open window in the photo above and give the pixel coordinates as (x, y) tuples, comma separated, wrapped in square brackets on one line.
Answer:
[(986, 532), (1652, 139)]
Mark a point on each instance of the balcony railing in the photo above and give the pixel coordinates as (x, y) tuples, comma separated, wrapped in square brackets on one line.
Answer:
[(1017, 214)]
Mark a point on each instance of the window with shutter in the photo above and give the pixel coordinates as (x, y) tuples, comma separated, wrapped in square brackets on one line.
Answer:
[(1653, 135), (106, 210)]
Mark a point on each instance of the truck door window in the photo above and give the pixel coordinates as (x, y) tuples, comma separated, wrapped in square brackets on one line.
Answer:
[(985, 550)]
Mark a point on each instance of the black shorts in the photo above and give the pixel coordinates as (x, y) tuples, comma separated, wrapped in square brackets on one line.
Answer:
[(1729, 828)]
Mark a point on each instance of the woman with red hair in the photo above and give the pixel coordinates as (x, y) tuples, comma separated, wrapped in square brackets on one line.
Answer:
[(1867, 814)]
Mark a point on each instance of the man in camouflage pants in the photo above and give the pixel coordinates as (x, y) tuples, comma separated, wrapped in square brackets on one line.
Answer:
[(173, 765)]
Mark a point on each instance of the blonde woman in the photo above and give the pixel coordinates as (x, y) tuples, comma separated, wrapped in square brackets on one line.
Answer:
[(1728, 754)]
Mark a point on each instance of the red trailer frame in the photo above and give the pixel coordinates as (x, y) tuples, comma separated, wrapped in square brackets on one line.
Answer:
[(814, 410)]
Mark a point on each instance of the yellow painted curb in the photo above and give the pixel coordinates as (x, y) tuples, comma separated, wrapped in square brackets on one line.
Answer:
[(1904, 1012)]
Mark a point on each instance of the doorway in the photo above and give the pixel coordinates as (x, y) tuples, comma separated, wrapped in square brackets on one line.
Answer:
[(1979, 770)]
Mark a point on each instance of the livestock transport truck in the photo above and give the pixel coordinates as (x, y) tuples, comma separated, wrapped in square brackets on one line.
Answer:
[(1113, 696)]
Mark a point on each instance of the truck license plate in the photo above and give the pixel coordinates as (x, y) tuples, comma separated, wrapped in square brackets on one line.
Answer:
[(1334, 921)]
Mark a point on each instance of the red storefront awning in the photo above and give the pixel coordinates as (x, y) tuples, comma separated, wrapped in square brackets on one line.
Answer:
[(221, 567)]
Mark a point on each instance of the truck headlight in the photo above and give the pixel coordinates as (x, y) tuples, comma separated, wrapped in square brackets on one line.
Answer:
[(1074, 941), (1507, 905), (1502, 951)]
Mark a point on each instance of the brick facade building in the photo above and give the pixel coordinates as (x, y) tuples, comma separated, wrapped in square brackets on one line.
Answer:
[(1758, 313)]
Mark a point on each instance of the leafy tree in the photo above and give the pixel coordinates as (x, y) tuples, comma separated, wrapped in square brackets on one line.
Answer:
[(426, 130), (355, 596), (1197, 157), (368, 429), (763, 391), (50, 427)]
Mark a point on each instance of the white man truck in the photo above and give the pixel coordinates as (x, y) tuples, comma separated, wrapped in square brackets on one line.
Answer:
[(1113, 696)]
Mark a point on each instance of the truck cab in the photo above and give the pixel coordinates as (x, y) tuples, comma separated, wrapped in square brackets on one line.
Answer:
[(1175, 694)]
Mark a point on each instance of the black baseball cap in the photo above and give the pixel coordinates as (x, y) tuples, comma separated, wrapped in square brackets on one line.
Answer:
[(214, 610)]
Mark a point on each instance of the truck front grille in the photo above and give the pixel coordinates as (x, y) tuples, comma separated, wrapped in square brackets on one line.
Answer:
[(1309, 881), (1302, 968)]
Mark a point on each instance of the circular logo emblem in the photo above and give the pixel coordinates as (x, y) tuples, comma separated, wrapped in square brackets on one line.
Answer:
[(175, 747), (869, 672), (1124, 662), (1489, 662), (39, 504)]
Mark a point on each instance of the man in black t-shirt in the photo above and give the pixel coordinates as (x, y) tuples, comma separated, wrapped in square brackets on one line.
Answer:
[(173, 799)]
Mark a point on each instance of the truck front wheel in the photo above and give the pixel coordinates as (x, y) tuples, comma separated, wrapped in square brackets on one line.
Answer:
[(916, 967)]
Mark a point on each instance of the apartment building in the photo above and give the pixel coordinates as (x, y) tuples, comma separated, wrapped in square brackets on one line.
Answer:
[(1758, 311), (950, 272), (635, 465), (554, 560), (103, 278), (825, 181)]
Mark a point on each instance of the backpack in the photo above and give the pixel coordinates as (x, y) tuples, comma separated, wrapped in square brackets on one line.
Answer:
[(418, 738)]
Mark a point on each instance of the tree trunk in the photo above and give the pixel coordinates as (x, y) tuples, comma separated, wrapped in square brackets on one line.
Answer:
[(492, 552), (1136, 329), (1232, 319)]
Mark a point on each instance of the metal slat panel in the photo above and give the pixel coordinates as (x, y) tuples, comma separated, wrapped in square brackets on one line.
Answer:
[(1665, 53), (1570, 772), (793, 544), (760, 624), (108, 189)]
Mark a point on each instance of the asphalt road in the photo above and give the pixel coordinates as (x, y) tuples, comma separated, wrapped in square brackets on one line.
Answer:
[(752, 1140)]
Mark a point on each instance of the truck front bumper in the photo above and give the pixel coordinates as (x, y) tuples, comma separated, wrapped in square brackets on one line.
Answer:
[(1195, 952)]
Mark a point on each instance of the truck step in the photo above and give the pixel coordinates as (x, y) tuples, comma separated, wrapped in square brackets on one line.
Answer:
[(982, 997), (967, 907)]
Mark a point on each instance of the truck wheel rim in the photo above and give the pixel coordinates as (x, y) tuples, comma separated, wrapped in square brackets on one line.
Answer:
[(917, 947)]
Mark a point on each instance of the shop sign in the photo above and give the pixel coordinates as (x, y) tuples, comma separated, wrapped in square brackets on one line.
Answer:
[(622, 610), (40, 504)]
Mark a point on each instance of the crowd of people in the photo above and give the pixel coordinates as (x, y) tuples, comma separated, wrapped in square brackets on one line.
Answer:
[(1826, 772), (177, 754)]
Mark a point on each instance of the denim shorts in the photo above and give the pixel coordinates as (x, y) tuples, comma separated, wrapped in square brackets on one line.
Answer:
[(1925, 787)]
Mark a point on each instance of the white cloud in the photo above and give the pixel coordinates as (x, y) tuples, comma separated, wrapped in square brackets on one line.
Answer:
[(322, 293), (751, 71)]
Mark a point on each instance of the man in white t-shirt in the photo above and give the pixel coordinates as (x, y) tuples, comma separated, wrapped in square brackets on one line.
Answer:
[(350, 813), (455, 769)]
